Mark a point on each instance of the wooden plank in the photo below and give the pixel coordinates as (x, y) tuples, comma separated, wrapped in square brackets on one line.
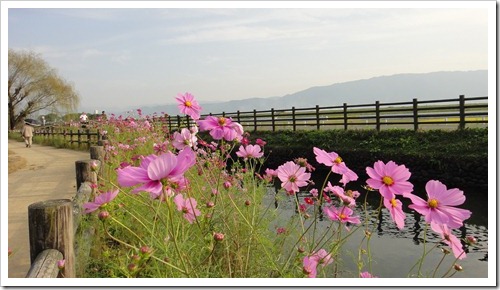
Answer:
[(45, 265)]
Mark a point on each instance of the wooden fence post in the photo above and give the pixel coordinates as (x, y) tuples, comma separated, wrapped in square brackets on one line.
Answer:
[(51, 227), (238, 116), (272, 120), (461, 102), (415, 115), (254, 120), (178, 122), (169, 123), (187, 121), (79, 138), (377, 115), (88, 137), (345, 116), (293, 119), (84, 172), (317, 118)]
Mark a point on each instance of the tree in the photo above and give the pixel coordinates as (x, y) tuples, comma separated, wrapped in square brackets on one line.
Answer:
[(34, 86)]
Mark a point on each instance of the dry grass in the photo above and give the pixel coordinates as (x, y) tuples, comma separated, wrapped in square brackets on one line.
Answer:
[(16, 162)]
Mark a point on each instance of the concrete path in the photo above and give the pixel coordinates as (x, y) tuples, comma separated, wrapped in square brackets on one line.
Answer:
[(49, 174)]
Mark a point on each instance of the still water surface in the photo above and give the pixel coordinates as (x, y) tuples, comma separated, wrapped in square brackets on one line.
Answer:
[(394, 252)]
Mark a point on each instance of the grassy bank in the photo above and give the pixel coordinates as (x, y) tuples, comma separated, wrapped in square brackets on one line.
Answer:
[(459, 157)]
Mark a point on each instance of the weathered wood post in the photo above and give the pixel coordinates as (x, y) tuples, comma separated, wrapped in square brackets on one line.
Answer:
[(415, 115), (318, 119), (345, 116), (377, 116), (51, 227), (84, 171), (273, 126), (461, 104), (45, 264), (254, 120)]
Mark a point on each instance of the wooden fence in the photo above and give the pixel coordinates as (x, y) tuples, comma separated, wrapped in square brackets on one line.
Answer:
[(79, 136), (460, 112), (53, 224)]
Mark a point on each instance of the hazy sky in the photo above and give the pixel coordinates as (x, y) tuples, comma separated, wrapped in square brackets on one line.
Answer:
[(128, 58)]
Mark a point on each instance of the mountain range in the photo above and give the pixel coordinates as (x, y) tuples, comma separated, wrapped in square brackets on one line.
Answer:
[(394, 88)]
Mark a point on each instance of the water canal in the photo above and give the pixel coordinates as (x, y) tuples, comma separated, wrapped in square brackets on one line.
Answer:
[(394, 252)]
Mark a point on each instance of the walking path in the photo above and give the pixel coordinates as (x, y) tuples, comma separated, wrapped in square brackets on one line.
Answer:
[(49, 174)]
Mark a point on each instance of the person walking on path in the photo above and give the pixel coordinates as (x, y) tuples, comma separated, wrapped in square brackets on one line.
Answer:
[(27, 133)]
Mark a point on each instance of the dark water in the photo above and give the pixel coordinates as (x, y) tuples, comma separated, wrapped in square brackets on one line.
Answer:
[(395, 252)]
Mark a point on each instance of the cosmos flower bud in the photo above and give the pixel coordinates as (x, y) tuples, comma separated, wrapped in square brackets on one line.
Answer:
[(445, 251), (145, 250), (458, 268), (60, 264), (132, 267), (210, 204), (94, 165), (247, 202), (471, 240), (218, 237), (103, 215)]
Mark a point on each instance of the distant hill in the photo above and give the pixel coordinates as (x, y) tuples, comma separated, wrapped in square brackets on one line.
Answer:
[(394, 88)]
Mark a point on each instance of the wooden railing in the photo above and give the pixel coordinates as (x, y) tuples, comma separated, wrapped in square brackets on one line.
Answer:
[(79, 136), (461, 112), (53, 224)]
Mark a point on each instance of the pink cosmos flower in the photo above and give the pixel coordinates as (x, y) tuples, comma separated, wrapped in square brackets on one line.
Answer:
[(348, 176), (330, 159), (440, 205), (311, 262), (221, 128), (324, 258), (292, 176), (390, 179), (184, 139), (100, 201), (339, 192), (260, 142), (309, 265), (343, 215), (188, 105), (451, 240), (395, 208), (249, 151), (366, 275), (155, 169), (188, 207)]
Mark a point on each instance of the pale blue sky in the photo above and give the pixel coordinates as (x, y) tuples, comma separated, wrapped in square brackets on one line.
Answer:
[(129, 58)]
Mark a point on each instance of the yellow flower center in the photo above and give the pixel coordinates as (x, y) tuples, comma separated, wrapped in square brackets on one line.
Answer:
[(342, 216), (432, 203), (338, 160), (393, 202), (188, 104), (222, 121), (387, 180), (292, 178)]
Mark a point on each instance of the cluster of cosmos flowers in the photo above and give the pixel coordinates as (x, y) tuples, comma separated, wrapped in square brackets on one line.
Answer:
[(162, 175)]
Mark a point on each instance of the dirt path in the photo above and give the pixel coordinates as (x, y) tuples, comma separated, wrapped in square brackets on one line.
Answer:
[(35, 174)]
